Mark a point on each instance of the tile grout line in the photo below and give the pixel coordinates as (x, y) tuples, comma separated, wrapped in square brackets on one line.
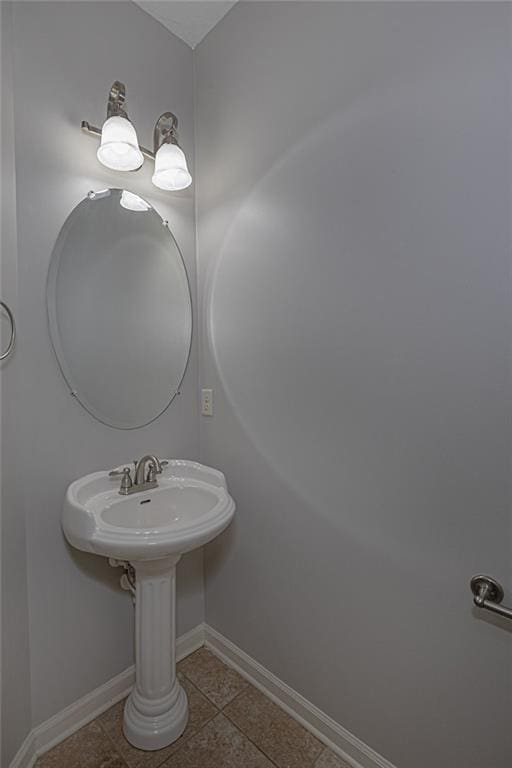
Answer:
[(245, 735), (222, 711), (240, 729), (98, 720), (179, 748), (258, 746), (322, 753), (235, 697), (193, 735), (204, 695), (219, 709)]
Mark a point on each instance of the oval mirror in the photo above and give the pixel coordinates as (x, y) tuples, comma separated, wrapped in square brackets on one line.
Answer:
[(119, 308)]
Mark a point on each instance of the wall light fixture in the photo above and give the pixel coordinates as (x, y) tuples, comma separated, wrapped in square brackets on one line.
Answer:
[(171, 170), (119, 147)]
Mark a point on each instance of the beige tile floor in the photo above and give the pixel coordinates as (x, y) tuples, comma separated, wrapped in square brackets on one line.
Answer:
[(231, 725)]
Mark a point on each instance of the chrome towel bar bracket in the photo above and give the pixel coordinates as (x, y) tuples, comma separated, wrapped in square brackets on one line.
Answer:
[(488, 593), (12, 339)]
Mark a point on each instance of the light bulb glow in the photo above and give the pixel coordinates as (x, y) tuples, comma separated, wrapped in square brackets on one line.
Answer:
[(171, 172), (133, 202), (119, 148)]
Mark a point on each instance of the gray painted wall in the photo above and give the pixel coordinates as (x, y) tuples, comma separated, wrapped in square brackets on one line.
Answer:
[(66, 56), (354, 210), (14, 638)]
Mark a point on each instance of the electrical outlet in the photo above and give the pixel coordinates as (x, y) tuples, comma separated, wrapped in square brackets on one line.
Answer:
[(207, 402)]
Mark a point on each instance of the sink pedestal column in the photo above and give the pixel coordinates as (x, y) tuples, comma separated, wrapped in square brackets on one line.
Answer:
[(156, 711)]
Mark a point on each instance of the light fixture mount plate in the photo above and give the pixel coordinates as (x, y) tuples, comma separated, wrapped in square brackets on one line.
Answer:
[(165, 130), (117, 100)]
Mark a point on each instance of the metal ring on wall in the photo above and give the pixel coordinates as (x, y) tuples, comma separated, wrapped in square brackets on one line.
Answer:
[(12, 340)]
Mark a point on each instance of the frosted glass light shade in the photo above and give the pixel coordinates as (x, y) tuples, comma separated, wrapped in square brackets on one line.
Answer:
[(171, 170), (119, 148)]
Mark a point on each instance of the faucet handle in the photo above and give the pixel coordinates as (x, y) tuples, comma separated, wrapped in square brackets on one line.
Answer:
[(119, 472), (126, 479), (155, 469), (161, 465)]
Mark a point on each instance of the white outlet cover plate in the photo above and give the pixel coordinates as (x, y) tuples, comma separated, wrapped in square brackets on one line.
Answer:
[(207, 402)]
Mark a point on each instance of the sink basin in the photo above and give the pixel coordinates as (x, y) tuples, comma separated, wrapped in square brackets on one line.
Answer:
[(146, 533), (189, 507)]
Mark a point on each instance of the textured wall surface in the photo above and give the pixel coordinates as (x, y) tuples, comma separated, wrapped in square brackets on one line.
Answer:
[(66, 56), (354, 238)]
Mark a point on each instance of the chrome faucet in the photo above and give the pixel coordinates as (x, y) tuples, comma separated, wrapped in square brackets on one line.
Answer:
[(147, 478), (146, 470)]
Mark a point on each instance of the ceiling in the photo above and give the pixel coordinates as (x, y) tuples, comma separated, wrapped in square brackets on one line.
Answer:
[(189, 19)]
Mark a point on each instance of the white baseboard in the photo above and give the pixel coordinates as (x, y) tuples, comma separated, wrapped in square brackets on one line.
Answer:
[(351, 749), (64, 723)]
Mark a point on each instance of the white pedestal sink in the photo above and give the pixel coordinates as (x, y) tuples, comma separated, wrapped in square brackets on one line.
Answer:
[(151, 530)]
